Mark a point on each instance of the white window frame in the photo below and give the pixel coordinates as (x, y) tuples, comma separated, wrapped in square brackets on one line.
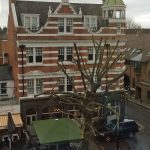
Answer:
[(91, 52), (34, 86), (2, 88), (64, 82), (31, 118), (31, 16), (118, 25), (90, 24), (65, 51), (34, 54), (65, 22)]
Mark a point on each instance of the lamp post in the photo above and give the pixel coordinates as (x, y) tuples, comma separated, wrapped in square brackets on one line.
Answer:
[(107, 48), (22, 47)]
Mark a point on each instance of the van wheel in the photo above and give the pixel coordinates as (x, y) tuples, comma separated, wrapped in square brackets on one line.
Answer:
[(107, 138), (131, 135)]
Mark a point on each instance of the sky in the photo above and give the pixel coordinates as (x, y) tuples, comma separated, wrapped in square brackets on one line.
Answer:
[(138, 10)]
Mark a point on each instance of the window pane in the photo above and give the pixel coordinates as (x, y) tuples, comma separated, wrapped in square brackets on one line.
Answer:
[(27, 22), (29, 55), (38, 53), (39, 86), (62, 84), (110, 13), (3, 88), (69, 53), (30, 86), (61, 24), (28, 121), (69, 25), (69, 85), (90, 53), (61, 54), (68, 28), (34, 22), (87, 22), (61, 88)]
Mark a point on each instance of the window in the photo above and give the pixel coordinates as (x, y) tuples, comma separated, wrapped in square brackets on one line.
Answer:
[(110, 13), (3, 88), (118, 13), (65, 84), (148, 95), (34, 55), (90, 22), (31, 22), (65, 54), (31, 118), (65, 25), (90, 53), (118, 25), (34, 86)]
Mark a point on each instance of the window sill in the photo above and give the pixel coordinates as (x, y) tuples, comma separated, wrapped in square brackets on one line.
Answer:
[(90, 62), (66, 62), (3, 95), (65, 33), (34, 64)]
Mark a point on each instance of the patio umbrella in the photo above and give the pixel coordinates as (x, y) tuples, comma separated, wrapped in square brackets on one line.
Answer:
[(10, 124), (10, 127)]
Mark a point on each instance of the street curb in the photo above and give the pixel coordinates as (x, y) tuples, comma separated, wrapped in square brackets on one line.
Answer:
[(138, 104)]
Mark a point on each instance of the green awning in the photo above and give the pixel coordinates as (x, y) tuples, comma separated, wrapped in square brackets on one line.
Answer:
[(57, 130)]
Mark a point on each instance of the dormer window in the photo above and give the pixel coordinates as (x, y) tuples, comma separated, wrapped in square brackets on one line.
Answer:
[(31, 21), (90, 22), (65, 25)]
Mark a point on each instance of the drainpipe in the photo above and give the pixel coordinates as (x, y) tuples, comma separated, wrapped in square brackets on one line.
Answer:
[(22, 47)]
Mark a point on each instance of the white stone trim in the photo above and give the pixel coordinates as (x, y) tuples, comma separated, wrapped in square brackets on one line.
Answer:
[(79, 28), (20, 59), (79, 86), (14, 14), (63, 43), (20, 53), (50, 28), (88, 34), (81, 23), (50, 52), (21, 91), (50, 22), (50, 58)]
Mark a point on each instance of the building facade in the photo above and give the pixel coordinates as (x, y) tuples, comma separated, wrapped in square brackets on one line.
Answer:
[(138, 60), (42, 34)]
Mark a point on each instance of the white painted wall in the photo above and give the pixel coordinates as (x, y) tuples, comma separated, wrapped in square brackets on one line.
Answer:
[(10, 89)]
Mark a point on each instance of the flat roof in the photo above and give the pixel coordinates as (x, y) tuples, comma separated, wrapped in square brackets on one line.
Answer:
[(57, 130)]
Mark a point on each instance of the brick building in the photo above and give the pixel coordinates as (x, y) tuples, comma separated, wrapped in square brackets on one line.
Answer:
[(138, 60), (3, 44), (40, 34)]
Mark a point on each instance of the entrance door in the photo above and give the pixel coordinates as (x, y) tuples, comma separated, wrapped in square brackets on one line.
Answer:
[(31, 116)]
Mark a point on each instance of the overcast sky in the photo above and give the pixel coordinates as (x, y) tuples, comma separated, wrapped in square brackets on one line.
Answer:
[(138, 10)]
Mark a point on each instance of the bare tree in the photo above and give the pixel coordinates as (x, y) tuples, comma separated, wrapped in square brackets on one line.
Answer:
[(91, 79), (131, 24)]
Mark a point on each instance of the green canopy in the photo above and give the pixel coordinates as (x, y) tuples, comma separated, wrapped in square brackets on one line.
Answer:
[(57, 130)]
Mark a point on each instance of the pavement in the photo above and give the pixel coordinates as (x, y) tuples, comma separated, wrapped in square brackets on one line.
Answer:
[(139, 102)]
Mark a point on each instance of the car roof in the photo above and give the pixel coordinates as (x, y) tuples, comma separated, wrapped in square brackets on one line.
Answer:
[(128, 120)]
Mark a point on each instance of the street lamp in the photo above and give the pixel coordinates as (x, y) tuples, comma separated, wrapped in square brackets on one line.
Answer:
[(107, 48), (22, 47)]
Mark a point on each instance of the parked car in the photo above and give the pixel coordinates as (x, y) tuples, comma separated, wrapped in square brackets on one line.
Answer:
[(127, 128)]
